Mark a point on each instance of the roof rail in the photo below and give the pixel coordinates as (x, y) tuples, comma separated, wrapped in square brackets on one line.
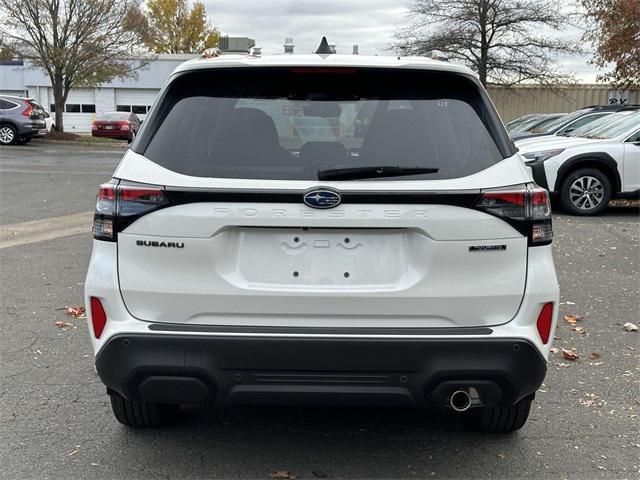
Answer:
[(612, 105), (211, 53), (438, 55)]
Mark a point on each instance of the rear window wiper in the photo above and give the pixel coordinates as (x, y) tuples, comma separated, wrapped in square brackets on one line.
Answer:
[(355, 173)]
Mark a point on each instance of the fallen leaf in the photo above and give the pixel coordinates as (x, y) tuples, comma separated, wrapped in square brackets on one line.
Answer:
[(591, 400), (62, 324), (282, 474), (569, 354), (578, 329), (572, 319), (594, 355), (77, 311), (630, 327), (500, 455), (555, 349), (73, 452)]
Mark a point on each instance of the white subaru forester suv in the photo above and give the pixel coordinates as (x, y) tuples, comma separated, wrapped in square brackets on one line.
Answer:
[(322, 229)]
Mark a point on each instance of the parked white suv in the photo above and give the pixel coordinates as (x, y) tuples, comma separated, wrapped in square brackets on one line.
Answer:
[(323, 229), (590, 165)]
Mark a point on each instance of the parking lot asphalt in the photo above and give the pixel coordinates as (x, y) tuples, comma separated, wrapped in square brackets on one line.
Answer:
[(56, 421)]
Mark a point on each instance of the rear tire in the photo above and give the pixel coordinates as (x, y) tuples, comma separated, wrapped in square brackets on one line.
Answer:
[(502, 419), (140, 414), (8, 135), (586, 191)]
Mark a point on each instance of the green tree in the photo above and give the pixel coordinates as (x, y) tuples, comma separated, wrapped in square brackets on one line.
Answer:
[(76, 42), (173, 27)]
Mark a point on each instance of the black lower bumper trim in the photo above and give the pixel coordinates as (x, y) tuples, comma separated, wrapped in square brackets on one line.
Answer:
[(170, 368), (539, 175)]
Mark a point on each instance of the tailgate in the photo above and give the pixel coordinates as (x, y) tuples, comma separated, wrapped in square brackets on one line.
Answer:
[(356, 265)]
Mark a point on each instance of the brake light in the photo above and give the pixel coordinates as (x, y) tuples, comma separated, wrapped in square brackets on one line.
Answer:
[(98, 317), (118, 206), (28, 110), (544, 322), (527, 209), (324, 70), (124, 126)]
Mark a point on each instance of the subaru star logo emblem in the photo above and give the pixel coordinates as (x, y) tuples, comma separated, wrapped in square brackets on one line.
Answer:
[(322, 199)]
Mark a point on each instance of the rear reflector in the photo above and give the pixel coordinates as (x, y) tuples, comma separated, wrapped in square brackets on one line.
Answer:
[(544, 322), (98, 317)]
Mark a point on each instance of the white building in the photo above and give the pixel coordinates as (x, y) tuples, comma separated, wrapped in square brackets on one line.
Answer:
[(135, 94)]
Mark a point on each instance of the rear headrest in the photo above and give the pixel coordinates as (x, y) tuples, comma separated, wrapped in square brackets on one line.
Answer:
[(394, 137), (244, 124), (323, 153)]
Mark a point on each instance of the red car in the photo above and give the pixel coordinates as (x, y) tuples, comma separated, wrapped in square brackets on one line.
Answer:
[(123, 125)]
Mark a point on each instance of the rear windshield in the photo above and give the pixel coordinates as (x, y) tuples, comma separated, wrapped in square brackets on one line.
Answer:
[(292, 123), (113, 116)]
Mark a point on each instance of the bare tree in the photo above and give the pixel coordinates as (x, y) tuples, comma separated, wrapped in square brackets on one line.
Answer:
[(504, 41), (77, 42)]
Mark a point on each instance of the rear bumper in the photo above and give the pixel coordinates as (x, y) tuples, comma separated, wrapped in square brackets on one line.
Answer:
[(110, 133), (179, 368), (27, 131)]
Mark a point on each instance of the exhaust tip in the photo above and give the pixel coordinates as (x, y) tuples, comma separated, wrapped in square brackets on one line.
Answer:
[(460, 401)]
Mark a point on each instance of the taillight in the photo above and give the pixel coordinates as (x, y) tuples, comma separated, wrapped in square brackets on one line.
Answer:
[(544, 322), (105, 215), (118, 206), (527, 209), (98, 317), (124, 126), (28, 110), (94, 126)]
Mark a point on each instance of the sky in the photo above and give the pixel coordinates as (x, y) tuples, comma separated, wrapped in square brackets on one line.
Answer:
[(369, 23)]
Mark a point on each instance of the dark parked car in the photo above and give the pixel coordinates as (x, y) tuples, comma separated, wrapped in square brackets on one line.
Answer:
[(570, 122), (532, 122), (21, 119), (123, 125)]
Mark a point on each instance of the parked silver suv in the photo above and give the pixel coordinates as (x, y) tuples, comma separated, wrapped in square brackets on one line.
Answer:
[(21, 119)]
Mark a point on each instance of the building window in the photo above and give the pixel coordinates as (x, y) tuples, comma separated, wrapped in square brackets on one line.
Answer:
[(72, 108), (52, 108), (123, 108), (140, 109), (88, 108)]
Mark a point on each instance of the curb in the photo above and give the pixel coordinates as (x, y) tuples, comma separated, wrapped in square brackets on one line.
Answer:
[(121, 146)]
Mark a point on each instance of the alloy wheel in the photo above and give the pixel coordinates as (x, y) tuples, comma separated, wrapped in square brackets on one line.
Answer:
[(7, 135), (586, 193)]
